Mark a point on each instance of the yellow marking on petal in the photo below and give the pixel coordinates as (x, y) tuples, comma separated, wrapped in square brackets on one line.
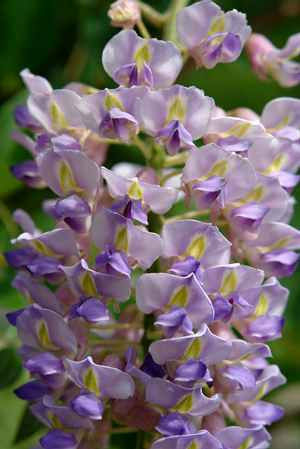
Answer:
[(276, 164), (112, 102), (254, 196), (241, 359), (229, 283), (246, 443), (58, 119), (176, 111), (218, 26), (180, 298), (90, 382), (195, 445), (280, 243), (196, 248), (258, 396), (28, 296), (66, 180), (193, 351), (142, 55), (261, 307), (283, 123), (121, 241), (135, 192), (44, 337), (237, 131), (56, 422), (88, 285), (42, 248), (185, 405), (218, 169)]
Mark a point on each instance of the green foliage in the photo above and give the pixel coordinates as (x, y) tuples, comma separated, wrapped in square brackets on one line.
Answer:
[(10, 367), (28, 426)]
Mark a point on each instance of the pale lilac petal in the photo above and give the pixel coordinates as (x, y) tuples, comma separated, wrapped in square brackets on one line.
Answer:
[(68, 172), (159, 291), (45, 329), (163, 58), (234, 437), (36, 292), (84, 281), (102, 379), (199, 439), (201, 240), (35, 84), (280, 112), (177, 398), (203, 344), (193, 22)]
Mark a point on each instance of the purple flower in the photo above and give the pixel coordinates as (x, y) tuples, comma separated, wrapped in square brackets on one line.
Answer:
[(131, 60), (175, 116), (210, 35), (267, 61)]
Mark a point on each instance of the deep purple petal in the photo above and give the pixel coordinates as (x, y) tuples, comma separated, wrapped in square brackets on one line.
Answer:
[(32, 391), (190, 370), (172, 424), (88, 405), (59, 439)]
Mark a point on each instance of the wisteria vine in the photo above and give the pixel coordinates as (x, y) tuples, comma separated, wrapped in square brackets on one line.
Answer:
[(184, 363)]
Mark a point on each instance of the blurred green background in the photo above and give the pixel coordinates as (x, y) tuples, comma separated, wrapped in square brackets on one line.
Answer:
[(63, 41)]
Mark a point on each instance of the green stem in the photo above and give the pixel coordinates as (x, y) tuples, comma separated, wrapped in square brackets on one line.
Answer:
[(170, 33), (157, 159), (178, 159), (141, 146), (153, 16), (124, 326), (190, 214), (170, 175), (141, 439), (143, 30), (8, 221)]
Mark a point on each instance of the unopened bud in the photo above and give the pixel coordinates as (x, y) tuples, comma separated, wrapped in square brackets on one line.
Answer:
[(124, 14)]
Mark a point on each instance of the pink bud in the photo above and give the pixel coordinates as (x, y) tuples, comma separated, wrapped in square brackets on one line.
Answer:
[(257, 47), (124, 14)]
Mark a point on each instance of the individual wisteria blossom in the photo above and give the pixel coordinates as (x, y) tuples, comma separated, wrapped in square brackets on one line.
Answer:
[(133, 61), (159, 199), (267, 61), (210, 35), (213, 176), (144, 316), (176, 116), (110, 114)]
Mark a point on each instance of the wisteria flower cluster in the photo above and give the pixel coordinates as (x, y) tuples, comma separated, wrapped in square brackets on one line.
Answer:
[(157, 323)]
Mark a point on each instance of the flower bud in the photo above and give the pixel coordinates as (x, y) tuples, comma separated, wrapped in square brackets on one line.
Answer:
[(124, 14)]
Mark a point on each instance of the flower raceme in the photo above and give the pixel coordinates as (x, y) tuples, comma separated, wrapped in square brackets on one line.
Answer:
[(154, 321)]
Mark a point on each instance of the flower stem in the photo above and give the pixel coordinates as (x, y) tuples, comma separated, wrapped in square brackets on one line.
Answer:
[(170, 175), (141, 146), (8, 221), (118, 326), (154, 17), (178, 159), (117, 430), (143, 30), (170, 33), (190, 214)]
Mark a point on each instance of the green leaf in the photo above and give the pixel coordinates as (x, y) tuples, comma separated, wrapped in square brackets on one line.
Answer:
[(10, 367), (10, 151), (28, 426)]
